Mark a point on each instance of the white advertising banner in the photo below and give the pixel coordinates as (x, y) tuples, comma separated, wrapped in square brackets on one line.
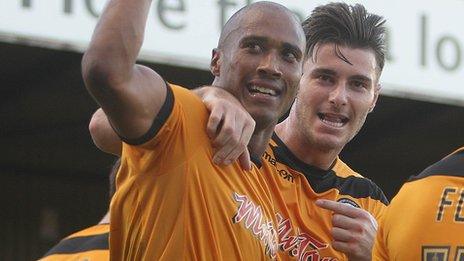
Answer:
[(425, 37)]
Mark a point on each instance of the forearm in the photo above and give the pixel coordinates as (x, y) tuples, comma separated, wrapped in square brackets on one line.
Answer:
[(201, 91), (212, 94), (131, 95), (115, 44)]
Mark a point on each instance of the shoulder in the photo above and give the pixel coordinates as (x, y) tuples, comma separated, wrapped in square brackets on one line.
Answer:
[(89, 239), (452, 165), (93, 230), (354, 184), (181, 108), (343, 170)]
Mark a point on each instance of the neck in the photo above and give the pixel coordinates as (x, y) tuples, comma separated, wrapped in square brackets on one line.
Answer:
[(259, 141), (303, 148), (105, 219)]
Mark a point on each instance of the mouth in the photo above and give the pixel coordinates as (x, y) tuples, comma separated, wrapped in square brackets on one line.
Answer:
[(333, 120), (254, 89)]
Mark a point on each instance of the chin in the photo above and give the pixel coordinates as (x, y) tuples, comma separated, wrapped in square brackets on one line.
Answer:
[(328, 143), (265, 120)]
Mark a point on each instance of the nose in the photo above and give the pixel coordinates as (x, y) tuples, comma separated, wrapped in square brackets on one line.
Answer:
[(338, 96), (270, 66)]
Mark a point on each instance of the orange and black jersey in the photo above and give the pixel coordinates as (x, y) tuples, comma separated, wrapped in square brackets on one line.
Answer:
[(90, 244), (304, 229), (425, 220), (173, 203)]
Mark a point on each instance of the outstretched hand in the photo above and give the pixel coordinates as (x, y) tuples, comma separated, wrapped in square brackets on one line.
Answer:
[(353, 230), (230, 127)]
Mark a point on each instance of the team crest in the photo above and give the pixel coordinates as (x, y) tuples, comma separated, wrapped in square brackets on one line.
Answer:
[(349, 202)]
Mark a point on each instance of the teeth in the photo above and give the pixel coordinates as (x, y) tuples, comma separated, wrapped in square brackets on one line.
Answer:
[(263, 90), (332, 123)]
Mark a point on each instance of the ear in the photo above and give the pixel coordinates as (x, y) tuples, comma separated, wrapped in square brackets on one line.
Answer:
[(376, 96), (215, 65)]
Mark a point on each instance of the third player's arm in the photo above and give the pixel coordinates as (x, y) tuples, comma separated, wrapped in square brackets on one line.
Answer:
[(229, 126), (131, 95)]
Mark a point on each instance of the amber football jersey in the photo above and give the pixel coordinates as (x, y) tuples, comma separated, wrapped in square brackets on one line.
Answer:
[(173, 203), (425, 220), (304, 229), (90, 244)]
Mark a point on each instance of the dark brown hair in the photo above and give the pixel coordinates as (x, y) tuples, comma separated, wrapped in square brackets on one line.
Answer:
[(345, 25)]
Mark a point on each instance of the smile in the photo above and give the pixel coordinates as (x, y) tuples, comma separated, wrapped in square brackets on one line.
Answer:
[(263, 90), (333, 120)]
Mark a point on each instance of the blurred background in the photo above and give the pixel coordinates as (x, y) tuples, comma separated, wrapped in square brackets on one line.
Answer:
[(53, 181)]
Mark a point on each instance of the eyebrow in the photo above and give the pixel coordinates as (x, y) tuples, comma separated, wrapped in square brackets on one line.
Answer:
[(361, 78), (324, 71), (262, 39), (254, 38), (334, 73)]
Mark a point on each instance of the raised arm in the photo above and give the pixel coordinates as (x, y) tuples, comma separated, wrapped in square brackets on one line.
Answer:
[(131, 95)]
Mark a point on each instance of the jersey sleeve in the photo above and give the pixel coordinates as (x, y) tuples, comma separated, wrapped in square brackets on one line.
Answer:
[(178, 130), (379, 205)]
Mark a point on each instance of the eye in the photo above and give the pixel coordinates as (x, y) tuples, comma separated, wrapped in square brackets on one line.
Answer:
[(359, 84), (324, 78), (290, 56), (253, 47)]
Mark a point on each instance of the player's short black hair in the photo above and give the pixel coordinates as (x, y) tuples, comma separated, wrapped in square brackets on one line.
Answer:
[(346, 25)]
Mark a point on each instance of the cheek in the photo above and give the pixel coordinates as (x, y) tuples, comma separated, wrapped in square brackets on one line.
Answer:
[(298, 76), (312, 94), (362, 108), (293, 71)]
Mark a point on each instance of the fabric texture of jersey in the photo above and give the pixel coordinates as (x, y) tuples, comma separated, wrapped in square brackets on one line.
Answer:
[(304, 229), (173, 203), (425, 220), (90, 244)]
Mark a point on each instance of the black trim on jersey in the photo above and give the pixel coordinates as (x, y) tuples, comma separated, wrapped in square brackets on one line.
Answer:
[(80, 244), (158, 122), (453, 165), (324, 180)]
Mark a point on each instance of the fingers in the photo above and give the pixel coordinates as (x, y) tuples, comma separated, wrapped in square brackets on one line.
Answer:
[(214, 121), (232, 140), (353, 229), (225, 141), (352, 236), (230, 128), (345, 222), (231, 132), (356, 247), (239, 147), (340, 208), (221, 128), (341, 235), (344, 247), (244, 160)]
